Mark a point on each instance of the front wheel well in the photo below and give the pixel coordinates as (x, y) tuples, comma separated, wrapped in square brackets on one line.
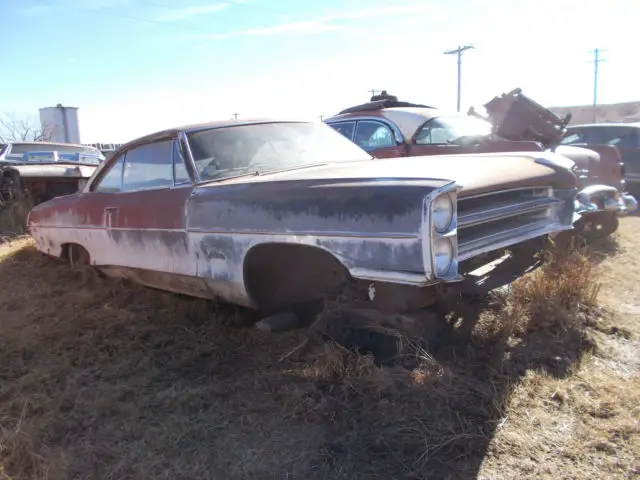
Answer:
[(277, 275)]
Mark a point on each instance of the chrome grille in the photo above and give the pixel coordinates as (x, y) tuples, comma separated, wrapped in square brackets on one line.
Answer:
[(497, 220)]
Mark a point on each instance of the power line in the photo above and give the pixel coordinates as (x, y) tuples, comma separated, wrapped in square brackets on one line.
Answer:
[(596, 62), (458, 51)]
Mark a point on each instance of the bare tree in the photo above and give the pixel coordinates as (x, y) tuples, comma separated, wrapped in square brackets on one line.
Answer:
[(19, 128)]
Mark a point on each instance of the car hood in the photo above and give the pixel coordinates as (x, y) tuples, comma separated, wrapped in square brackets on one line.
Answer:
[(583, 157), (475, 173)]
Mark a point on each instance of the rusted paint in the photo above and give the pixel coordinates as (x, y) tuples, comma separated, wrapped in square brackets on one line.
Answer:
[(368, 215)]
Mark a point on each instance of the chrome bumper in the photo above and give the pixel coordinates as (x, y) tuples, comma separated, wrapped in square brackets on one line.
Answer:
[(603, 198), (630, 202)]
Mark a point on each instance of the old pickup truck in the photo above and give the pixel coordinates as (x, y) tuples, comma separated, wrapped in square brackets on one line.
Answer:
[(625, 137), (388, 128), (267, 214)]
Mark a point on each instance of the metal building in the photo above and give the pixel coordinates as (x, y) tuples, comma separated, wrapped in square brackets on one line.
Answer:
[(60, 124)]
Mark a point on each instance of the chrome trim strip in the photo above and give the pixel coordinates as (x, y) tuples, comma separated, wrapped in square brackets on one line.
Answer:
[(547, 190), (306, 233), (508, 237), (405, 278), (185, 140), (501, 212)]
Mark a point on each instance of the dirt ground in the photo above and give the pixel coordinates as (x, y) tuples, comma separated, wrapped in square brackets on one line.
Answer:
[(105, 380)]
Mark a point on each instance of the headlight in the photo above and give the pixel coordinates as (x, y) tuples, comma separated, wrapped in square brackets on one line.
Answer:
[(442, 209), (443, 255)]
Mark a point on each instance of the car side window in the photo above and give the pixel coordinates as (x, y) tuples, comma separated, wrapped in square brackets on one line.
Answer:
[(371, 135), (111, 182), (345, 128), (434, 133), (180, 173), (574, 137), (621, 137), (148, 166)]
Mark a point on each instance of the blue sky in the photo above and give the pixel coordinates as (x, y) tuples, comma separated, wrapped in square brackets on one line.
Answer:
[(136, 66)]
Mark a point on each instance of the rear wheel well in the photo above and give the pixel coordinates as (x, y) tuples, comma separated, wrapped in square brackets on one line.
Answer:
[(75, 254), (277, 275)]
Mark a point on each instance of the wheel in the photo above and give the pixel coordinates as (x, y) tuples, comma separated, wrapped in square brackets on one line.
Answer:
[(600, 225)]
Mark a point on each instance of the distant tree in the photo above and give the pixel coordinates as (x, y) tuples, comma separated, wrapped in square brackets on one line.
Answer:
[(20, 128)]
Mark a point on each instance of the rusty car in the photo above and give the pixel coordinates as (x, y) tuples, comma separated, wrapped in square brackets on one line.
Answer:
[(44, 170), (388, 128), (625, 137), (603, 196), (270, 213)]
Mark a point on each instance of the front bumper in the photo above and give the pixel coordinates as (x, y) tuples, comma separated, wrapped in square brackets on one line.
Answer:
[(604, 198), (630, 202)]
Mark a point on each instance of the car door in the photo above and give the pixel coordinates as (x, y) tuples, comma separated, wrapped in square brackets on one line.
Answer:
[(145, 220), (432, 139), (378, 139), (346, 128), (627, 141)]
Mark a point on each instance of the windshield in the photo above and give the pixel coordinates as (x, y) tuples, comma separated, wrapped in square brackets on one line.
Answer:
[(237, 150), (442, 130)]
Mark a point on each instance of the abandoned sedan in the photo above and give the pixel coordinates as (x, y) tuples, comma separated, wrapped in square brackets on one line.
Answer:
[(266, 214), (44, 170)]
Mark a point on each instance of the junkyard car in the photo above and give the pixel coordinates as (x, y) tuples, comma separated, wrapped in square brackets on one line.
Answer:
[(265, 214), (625, 137), (389, 128), (603, 195), (44, 170)]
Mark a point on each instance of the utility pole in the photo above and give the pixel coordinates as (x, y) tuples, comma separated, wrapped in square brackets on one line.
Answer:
[(458, 51), (596, 61), (235, 115), (321, 117), (373, 92)]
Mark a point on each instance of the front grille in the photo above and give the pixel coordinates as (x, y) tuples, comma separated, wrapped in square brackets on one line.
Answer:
[(497, 220)]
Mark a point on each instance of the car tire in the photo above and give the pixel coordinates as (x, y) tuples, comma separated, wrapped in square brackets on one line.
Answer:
[(600, 225)]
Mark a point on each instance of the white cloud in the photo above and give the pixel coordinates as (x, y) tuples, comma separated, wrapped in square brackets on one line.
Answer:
[(379, 12), (42, 7), (186, 12), (323, 23)]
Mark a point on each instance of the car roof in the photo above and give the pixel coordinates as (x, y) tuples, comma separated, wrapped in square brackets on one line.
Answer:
[(407, 119)]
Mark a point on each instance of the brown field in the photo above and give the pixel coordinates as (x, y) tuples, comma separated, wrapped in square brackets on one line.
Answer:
[(100, 379)]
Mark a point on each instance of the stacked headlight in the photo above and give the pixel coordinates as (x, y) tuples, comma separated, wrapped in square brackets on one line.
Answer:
[(444, 233), (442, 211), (443, 253)]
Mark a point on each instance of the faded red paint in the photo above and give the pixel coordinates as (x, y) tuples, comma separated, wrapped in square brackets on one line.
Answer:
[(608, 170), (151, 209), (525, 125)]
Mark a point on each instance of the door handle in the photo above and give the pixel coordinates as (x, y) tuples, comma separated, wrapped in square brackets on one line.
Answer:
[(110, 209)]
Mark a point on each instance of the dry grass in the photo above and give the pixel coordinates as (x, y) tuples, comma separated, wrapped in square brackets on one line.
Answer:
[(106, 380)]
